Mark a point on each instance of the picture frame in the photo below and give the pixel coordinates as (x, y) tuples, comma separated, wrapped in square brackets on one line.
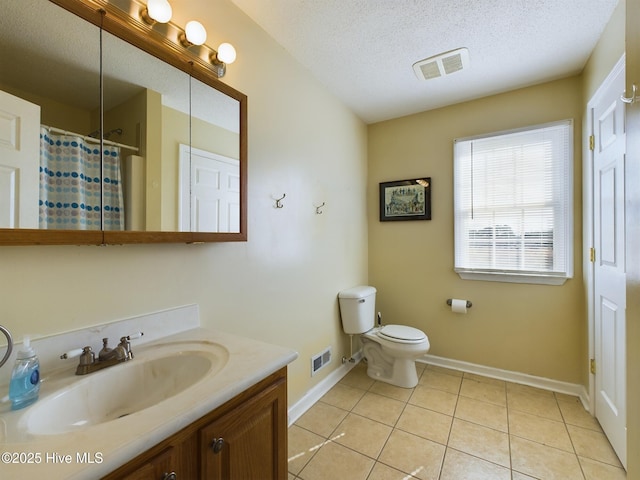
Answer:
[(405, 200)]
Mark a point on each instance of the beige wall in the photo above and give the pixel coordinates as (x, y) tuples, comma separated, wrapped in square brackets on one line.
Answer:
[(607, 52), (281, 285), (632, 180), (534, 329), (57, 114)]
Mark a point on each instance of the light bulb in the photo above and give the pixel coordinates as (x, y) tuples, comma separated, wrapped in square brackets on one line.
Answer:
[(159, 10), (195, 32), (226, 53)]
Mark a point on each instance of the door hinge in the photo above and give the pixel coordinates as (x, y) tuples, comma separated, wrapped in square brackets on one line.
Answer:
[(592, 142), (592, 255), (592, 366)]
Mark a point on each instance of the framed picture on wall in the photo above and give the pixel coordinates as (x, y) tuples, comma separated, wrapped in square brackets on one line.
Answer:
[(405, 200)]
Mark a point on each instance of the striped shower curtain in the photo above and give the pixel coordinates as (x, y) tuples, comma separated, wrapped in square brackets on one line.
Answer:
[(71, 192)]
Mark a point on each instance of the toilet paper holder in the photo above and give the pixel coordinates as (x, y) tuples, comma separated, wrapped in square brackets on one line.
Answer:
[(469, 304)]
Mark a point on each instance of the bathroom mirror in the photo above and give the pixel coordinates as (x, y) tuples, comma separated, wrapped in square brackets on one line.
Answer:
[(163, 108)]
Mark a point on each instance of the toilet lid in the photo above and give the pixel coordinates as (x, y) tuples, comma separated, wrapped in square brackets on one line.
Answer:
[(402, 333)]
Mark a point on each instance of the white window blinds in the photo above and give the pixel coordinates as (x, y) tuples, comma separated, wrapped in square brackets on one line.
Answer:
[(513, 202)]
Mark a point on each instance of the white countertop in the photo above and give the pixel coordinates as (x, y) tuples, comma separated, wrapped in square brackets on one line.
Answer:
[(111, 444)]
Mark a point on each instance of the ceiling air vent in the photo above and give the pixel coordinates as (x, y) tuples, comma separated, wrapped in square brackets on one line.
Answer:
[(443, 64)]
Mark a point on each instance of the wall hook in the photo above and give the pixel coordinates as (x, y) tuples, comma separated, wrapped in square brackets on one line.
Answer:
[(278, 200), (631, 99), (318, 207)]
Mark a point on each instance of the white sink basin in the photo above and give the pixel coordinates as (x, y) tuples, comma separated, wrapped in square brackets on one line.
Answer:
[(124, 389)]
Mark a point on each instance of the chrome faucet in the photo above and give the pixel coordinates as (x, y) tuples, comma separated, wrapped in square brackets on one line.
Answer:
[(107, 357), (7, 334)]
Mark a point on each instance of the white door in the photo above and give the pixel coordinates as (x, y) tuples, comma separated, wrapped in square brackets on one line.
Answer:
[(608, 115), (210, 192), (19, 162)]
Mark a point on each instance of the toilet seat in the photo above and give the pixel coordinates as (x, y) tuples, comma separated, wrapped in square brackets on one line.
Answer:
[(402, 334)]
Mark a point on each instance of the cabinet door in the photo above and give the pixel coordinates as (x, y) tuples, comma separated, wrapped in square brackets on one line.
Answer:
[(157, 468), (250, 441), (174, 459)]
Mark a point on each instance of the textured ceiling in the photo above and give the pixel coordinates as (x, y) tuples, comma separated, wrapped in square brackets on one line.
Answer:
[(363, 50)]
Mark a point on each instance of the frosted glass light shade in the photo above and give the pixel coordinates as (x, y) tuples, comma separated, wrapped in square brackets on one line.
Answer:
[(159, 10), (195, 32), (226, 53)]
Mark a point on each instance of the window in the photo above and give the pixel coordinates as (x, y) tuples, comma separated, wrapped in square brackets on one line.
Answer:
[(513, 205)]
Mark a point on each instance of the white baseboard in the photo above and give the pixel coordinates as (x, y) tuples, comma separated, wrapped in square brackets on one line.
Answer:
[(574, 389), (317, 391), (326, 384)]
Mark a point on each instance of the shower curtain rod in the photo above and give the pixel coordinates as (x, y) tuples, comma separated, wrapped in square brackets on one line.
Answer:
[(90, 139)]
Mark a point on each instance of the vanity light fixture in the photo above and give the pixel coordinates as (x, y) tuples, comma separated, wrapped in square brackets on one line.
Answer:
[(226, 54), (156, 11), (194, 34)]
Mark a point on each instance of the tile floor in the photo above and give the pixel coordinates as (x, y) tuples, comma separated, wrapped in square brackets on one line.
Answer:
[(451, 426)]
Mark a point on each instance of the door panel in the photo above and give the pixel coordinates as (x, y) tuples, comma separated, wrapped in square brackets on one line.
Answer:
[(609, 269), (609, 384), (19, 162), (607, 214), (210, 186)]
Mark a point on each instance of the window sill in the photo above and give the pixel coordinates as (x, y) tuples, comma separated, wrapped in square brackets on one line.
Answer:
[(513, 278)]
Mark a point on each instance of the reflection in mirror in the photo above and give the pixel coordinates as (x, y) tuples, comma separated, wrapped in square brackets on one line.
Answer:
[(139, 110), (209, 167), (54, 58), (50, 174), (160, 111)]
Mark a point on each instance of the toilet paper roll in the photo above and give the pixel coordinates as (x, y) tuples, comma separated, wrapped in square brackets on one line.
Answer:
[(458, 305)]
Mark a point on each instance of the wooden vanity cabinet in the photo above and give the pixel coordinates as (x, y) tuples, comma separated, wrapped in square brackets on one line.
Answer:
[(245, 438)]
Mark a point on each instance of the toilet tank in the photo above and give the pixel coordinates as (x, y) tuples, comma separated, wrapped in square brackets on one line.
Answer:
[(357, 309)]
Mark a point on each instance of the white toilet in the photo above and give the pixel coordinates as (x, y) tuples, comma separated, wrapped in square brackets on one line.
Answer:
[(391, 351)]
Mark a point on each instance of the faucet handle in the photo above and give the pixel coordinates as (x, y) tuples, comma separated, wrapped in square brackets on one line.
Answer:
[(124, 342), (133, 336), (87, 357), (72, 353)]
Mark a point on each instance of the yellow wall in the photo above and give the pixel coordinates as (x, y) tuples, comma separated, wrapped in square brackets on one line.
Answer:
[(534, 329), (281, 285), (130, 117), (152, 152), (175, 130)]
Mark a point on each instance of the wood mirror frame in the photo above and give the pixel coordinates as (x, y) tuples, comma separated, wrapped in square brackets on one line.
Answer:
[(123, 26)]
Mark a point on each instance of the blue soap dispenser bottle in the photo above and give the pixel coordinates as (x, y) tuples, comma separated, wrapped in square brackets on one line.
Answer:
[(24, 387)]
